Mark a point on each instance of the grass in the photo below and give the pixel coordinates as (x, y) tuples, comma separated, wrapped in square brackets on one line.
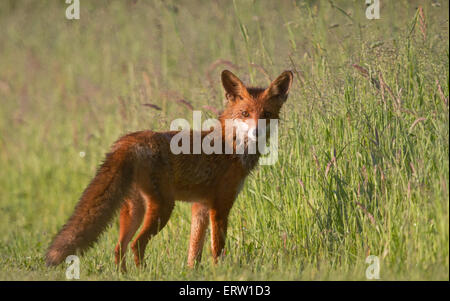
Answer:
[(363, 163)]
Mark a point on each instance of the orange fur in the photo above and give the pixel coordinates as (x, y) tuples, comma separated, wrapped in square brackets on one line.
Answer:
[(145, 177)]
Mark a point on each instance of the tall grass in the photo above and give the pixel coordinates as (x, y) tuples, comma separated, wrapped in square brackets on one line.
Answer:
[(364, 138)]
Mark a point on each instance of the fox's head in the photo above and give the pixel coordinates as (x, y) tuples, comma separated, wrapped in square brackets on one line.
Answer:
[(248, 106)]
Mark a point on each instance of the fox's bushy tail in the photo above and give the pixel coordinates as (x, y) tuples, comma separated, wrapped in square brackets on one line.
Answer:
[(96, 207)]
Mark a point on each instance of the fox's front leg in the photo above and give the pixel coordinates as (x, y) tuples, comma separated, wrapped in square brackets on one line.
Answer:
[(219, 222), (199, 224), (229, 188)]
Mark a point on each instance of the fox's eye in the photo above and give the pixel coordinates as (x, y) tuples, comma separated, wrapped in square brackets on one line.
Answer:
[(245, 114)]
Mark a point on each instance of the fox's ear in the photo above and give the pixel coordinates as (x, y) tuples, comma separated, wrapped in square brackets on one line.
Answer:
[(234, 88), (279, 88)]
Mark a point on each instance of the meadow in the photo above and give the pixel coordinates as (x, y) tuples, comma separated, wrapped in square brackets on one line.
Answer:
[(363, 163)]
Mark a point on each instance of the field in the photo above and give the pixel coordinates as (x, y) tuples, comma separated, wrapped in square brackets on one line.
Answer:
[(363, 165)]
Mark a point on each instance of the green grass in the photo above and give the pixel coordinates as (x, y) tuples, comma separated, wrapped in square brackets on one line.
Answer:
[(363, 161)]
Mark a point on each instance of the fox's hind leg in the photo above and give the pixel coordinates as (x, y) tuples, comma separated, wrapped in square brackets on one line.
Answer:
[(131, 215), (159, 204)]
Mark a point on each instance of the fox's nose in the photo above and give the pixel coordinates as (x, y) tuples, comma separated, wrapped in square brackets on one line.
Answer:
[(253, 133)]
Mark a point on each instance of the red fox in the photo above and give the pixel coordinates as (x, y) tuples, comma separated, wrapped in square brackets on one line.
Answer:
[(142, 176)]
